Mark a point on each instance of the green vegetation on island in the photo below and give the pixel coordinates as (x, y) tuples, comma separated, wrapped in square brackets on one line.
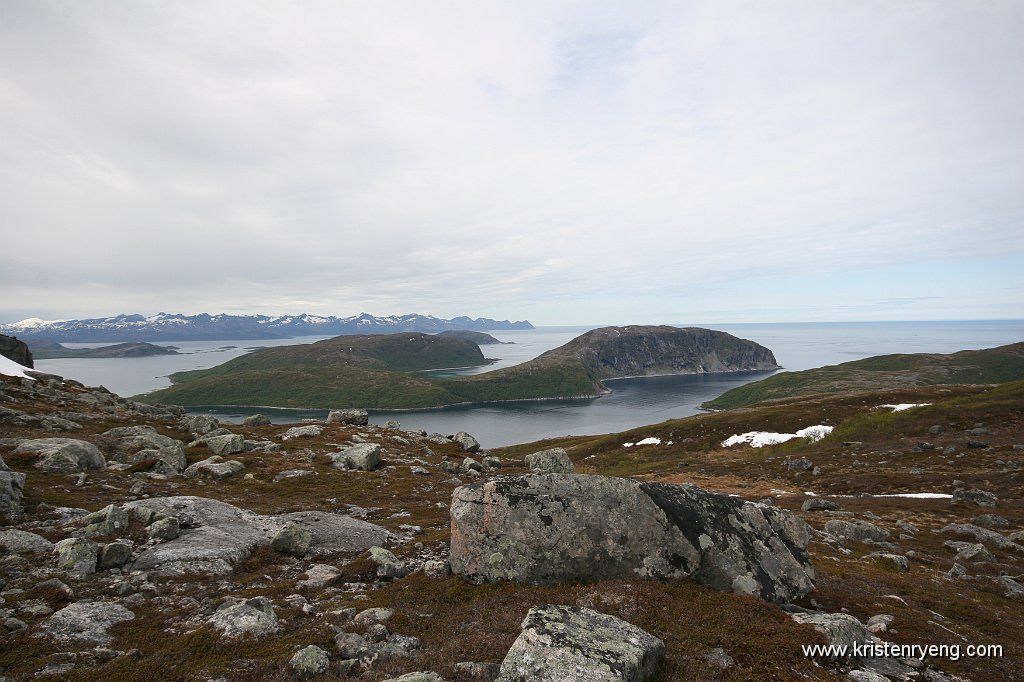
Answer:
[(883, 372), (378, 371)]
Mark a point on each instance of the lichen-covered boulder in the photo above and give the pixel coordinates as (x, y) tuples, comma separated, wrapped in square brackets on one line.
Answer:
[(134, 444), (573, 644), (110, 520), (77, 556), (566, 527), (553, 461), (67, 455), (310, 661), (256, 420)]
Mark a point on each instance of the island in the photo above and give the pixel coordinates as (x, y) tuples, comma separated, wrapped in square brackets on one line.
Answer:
[(384, 372), (50, 350)]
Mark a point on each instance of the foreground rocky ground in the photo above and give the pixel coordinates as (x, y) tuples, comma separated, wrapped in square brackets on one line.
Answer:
[(150, 545)]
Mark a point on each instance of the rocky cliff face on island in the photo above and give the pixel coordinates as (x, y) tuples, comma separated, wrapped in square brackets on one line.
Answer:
[(638, 350), (173, 327)]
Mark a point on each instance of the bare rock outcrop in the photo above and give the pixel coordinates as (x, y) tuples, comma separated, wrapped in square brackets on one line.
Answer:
[(566, 527)]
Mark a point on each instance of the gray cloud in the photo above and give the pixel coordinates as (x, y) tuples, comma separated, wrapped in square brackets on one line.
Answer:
[(568, 162)]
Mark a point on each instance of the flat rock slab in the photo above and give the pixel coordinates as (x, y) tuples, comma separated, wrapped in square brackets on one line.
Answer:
[(86, 622), (573, 644), (571, 527), (227, 535)]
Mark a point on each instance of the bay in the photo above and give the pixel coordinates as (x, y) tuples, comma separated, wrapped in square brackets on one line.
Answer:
[(633, 402)]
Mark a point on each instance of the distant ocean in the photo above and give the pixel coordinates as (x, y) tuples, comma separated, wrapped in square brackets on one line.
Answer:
[(633, 403)]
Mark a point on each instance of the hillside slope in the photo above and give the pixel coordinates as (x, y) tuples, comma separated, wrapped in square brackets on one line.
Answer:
[(883, 372)]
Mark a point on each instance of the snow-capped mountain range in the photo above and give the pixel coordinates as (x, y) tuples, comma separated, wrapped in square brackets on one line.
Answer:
[(201, 327)]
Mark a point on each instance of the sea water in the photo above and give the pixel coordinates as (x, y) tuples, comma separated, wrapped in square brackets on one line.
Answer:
[(633, 402)]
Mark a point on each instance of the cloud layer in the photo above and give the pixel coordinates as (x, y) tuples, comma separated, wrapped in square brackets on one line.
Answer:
[(565, 162)]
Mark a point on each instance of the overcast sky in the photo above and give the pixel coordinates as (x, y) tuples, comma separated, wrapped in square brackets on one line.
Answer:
[(563, 162)]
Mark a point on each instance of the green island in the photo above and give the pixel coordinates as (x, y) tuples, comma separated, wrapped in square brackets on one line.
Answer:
[(386, 371)]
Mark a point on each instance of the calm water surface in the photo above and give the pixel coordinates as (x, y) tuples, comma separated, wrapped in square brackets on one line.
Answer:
[(633, 403)]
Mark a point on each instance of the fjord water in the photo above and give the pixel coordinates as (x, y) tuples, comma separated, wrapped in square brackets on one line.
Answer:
[(633, 403)]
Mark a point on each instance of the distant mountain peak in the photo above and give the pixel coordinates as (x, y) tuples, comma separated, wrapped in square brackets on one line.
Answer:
[(204, 326)]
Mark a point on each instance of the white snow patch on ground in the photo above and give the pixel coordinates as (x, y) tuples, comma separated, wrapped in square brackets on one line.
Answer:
[(646, 441), (919, 496), (758, 439), (13, 369), (903, 406)]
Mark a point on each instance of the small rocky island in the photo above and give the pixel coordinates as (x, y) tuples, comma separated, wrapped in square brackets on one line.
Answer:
[(383, 371)]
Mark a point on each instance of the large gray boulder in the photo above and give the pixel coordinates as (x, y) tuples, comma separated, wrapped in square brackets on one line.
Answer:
[(565, 527), (67, 455), (223, 444), (86, 622), (553, 461), (216, 536), (468, 443), (573, 644), (77, 556)]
